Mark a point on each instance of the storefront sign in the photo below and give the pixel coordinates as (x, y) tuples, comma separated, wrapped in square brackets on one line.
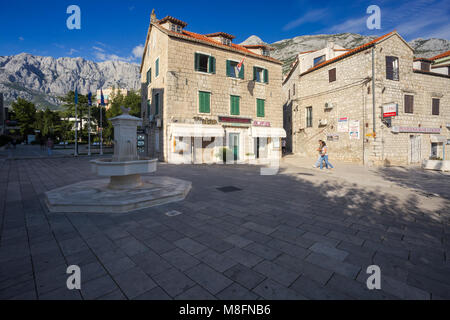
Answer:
[(235, 120), (354, 129), (415, 130), (390, 110), (261, 124), (205, 121), (343, 124)]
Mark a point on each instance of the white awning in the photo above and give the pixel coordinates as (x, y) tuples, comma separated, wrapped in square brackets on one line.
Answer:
[(265, 132), (438, 139), (196, 130)]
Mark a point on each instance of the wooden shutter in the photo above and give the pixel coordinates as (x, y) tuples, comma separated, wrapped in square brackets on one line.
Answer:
[(260, 108), (255, 70), (197, 62), (157, 104), (228, 68), (234, 102), (389, 68), (409, 103), (266, 76), (204, 101), (332, 75), (212, 64), (242, 73), (157, 67), (435, 107)]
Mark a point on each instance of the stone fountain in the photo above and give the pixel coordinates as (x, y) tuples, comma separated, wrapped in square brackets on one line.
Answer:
[(126, 189)]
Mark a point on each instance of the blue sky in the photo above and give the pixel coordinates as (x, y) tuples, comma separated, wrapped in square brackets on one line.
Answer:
[(116, 29)]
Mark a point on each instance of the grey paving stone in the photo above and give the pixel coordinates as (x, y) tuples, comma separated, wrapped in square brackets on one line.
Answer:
[(51, 279), (180, 260), (196, 293), (17, 289), (116, 295), (155, 294), (243, 257), (258, 228), (425, 286), (208, 278), (72, 246), (245, 276), (276, 272), (315, 237), (271, 290), (61, 294), (257, 237), (159, 245), (288, 248), (329, 251), (213, 242), (401, 253), (131, 246), (263, 251), (215, 260), (190, 246), (134, 282), (342, 268), (151, 263), (236, 292), (174, 282), (315, 291), (98, 288), (92, 271), (345, 237), (238, 241), (118, 266)]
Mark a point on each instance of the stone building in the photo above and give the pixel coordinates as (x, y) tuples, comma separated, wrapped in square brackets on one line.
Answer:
[(199, 102), (108, 94), (399, 116)]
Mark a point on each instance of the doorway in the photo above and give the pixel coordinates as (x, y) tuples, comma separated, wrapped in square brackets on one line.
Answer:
[(415, 149), (234, 145)]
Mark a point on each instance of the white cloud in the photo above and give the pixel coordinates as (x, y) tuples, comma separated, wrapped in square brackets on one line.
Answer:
[(72, 51), (138, 51), (310, 16), (352, 25), (98, 49)]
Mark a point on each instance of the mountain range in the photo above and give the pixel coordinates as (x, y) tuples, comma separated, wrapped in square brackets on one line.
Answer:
[(44, 79)]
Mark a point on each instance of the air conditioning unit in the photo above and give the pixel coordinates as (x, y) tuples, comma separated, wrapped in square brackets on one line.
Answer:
[(323, 123), (329, 106)]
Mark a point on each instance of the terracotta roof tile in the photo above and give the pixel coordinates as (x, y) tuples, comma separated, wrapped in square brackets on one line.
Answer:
[(442, 55), (223, 34), (174, 20)]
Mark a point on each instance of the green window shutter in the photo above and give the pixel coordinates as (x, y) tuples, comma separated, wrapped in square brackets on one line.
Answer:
[(228, 68), (234, 102), (266, 76), (205, 102), (242, 73), (260, 103), (157, 67), (212, 65), (255, 70), (196, 62)]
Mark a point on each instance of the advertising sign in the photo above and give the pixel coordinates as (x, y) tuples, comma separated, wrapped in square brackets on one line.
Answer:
[(343, 124), (415, 130), (354, 129), (390, 110)]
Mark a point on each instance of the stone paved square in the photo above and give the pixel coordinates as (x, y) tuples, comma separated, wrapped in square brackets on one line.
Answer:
[(300, 234)]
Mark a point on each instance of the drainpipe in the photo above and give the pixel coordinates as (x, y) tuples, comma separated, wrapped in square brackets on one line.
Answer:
[(373, 91)]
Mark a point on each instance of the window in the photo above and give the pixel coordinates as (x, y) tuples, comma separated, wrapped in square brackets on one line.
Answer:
[(232, 70), (149, 104), (226, 41), (319, 60), (149, 76), (392, 68), (293, 90), (435, 107), (234, 103), (260, 108), (409, 103), (260, 75), (205, 63), (176, 28), (289, 94), (156, 103), (157, 68), (266, 52), (332, 75), (204, 99), (309, 120), (434, 150)]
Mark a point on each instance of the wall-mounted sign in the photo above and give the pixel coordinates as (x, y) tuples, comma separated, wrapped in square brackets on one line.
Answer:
[(354, 129), (205, 121), (333, 137), (342, 124), (235, 120), (415, 130), (261, 124), (390, 110)]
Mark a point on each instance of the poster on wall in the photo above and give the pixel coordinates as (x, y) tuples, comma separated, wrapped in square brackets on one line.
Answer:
[(354, 130), (343, 124)]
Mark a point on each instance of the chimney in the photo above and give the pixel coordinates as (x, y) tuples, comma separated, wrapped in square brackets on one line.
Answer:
[(153, 17)]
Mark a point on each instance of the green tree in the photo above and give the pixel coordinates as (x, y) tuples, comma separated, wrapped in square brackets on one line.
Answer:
[(48, 123), (82, 108), (25, 115)]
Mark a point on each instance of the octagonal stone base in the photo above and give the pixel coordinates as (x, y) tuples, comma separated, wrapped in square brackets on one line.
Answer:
[(95, 196)]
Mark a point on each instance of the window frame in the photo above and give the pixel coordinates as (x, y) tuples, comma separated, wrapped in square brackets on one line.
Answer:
[(322, 58), (332, 75), (438, 106), (157, 65), (228, 68), (211, 62), (395, 75), (309, 117), (264, 74), (404, 103)]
